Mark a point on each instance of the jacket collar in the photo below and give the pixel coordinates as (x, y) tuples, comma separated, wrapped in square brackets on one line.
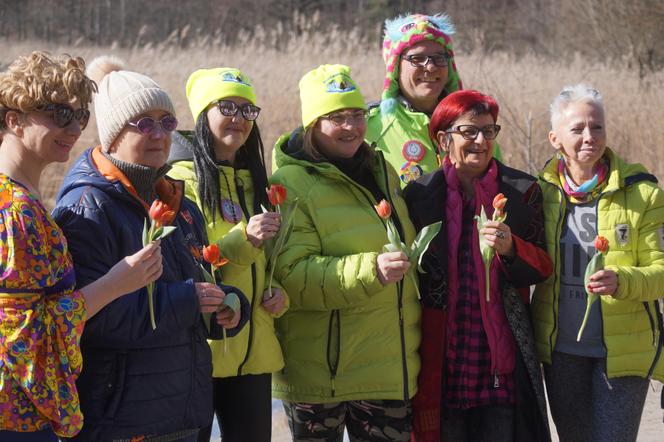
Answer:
[(168, 190)]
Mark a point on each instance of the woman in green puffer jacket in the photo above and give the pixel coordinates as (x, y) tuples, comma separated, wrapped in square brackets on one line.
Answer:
[(597, 384), (351, 335), (224, 173)]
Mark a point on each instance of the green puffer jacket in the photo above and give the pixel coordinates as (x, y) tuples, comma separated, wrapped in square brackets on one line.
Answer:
[(346, 336), (632, 319), (255, 350), (403, 136)]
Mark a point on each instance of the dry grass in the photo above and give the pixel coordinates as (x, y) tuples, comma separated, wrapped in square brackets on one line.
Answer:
[(524, 87)]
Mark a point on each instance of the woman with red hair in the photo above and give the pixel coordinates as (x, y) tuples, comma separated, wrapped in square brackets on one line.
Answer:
[(480, 379)]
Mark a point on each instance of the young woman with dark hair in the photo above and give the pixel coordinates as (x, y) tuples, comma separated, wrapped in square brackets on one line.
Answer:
[(223, 167)]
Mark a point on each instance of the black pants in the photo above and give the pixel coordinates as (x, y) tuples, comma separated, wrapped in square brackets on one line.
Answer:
[(492, 423), (243, 405)]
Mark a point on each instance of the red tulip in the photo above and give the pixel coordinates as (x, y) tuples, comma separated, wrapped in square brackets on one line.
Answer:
[(499, 201), (212, 255), (276, 194), (384, 209), (161, 213), (601, 244)]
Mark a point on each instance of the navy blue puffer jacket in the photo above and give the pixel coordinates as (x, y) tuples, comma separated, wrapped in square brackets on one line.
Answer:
[(135, 380)]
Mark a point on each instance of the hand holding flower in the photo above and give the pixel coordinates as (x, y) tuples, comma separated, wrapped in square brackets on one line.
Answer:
[(391, 266), (160, 215), (597, 280), (498, 236), (603, 283), (262, 227), (210, 296), (274, 302)]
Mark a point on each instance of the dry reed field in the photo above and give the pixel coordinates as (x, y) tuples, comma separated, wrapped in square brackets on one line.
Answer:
[(523, 86)]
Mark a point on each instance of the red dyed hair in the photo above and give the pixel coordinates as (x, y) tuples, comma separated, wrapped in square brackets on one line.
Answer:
[(457, 104)]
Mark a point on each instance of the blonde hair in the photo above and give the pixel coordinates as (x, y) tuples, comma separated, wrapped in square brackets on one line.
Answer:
[(38, 79)]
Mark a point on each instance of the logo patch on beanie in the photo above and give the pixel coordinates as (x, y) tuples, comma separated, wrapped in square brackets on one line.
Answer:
[(340, 83), (235, 77)]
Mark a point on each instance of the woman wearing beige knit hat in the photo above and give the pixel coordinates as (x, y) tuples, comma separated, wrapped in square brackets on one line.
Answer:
[(140, 382)]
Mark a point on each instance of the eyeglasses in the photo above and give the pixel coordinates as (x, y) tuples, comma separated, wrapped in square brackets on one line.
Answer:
[(352, 119), (63, 114), (147, 125), (422, 60), (230, 109), (470, 132)]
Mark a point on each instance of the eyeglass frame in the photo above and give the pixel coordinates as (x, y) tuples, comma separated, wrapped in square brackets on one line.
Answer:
[(238, 108), (457, 130), (350, 120), (54, 107), (429, 58), (155, 122)]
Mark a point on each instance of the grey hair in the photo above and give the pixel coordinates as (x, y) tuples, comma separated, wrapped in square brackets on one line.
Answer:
[(573, 94)]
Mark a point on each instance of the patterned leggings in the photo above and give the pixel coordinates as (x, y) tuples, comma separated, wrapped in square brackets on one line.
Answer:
[(366, 421), (585, 406)]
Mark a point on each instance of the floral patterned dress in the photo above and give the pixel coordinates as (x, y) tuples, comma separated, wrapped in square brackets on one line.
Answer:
[(41, 319)]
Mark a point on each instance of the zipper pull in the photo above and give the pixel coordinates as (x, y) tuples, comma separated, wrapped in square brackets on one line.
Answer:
[(606, 379), (496, 379), (332, 385)]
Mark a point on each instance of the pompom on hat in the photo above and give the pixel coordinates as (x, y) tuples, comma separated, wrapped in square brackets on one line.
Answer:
[(207, 85), (405, 31), (326, 89), (122, 95)]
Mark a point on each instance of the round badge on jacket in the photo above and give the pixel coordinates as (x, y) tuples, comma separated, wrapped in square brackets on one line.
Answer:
[(410, 171), (413, 150)]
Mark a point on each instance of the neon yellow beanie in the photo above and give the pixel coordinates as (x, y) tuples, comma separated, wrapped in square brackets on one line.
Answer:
[(207, 85), (326, 89)]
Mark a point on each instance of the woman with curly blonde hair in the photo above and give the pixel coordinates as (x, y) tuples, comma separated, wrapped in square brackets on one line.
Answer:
[(43, 109)]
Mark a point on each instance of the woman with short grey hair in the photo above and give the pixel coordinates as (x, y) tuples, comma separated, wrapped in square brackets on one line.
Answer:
[(597, 376)]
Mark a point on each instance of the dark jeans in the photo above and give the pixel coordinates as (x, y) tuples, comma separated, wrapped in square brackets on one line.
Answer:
[(493, 423), (585, 405), (365, 421), (243, 406), (37, 436)]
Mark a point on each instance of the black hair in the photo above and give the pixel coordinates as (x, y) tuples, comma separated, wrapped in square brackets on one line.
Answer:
[(250, 154)]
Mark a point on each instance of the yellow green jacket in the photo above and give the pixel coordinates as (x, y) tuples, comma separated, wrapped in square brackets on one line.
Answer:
[(345, 336), (632, 319), (255, 350)]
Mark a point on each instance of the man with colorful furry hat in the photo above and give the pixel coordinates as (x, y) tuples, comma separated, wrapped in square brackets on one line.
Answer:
[(420, 71)]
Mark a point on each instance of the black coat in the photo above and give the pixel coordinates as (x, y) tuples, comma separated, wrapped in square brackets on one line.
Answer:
[(426, 200)]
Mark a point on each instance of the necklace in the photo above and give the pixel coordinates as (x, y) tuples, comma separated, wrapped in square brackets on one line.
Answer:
[(230, 210)]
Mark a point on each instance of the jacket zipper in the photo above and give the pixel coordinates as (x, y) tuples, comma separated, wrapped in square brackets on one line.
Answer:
[(557, 258), (402, 332), (404, 363), (243, 204), (333, 365), (601, 313), (660, 341)]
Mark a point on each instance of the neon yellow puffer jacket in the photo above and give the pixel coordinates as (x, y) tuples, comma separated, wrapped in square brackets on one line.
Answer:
[(255, 350), (345, 336), (632, 321)]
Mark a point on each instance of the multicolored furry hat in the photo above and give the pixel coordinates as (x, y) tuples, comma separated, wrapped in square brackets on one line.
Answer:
[(404, 32)]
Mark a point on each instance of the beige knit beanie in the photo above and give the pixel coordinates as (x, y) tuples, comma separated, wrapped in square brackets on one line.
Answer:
[(122, 96)]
